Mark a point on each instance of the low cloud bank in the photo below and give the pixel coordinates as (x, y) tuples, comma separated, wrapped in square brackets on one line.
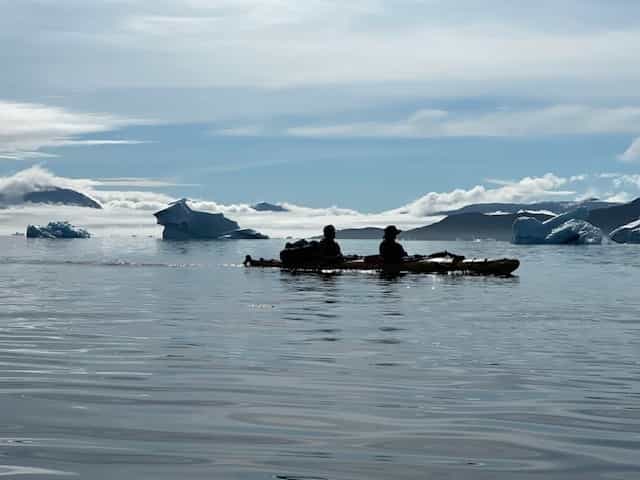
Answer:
[(528, 189), (128, 212), (36, 179)]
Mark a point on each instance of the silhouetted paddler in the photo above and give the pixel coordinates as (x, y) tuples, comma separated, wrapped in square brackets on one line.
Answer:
[(329, 248), (390, 250)]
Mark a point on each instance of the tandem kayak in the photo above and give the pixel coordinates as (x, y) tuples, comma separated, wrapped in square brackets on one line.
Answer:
[(444, 264)]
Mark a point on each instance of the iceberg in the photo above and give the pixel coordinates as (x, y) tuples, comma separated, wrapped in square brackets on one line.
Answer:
[(629, 233), (57, 230), (244, 234), (568, 228), (183, 223)]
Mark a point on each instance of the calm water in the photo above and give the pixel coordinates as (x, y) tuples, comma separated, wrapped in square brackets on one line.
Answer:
[(134, 358)]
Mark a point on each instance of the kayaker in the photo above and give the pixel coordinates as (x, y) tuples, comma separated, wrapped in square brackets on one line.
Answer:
[(390, 250), (329, 248)]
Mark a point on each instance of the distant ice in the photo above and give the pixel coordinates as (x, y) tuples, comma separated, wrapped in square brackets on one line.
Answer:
[(244, 234), (530, 212), (568, 228), (629, 233), (57, 230), (537, 212), (498, 212)]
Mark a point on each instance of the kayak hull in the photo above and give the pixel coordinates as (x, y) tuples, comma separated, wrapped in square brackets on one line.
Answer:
[(499, 267)]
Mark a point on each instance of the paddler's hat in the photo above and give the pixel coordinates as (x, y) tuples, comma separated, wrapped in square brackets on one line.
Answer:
[(391, 231)]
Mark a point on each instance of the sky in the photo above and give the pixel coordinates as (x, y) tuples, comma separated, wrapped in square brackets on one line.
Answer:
[(368, 106)]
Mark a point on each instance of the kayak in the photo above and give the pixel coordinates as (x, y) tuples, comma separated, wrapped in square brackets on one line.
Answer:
[(443, 264)]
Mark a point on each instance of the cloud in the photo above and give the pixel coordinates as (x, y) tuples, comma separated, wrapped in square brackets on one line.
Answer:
[(620, 180), (393, 49), (132, 199), (619, 197), (24, 155), (26, 128), (248, 131), (527, 189), (37, 178), (139, 182), (631, 154), (551, 120)]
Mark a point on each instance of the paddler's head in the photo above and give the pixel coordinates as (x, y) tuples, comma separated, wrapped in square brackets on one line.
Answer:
[(329, 232), (391, 232)]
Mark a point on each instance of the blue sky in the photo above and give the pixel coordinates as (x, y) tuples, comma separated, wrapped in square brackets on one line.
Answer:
[(368, 105)]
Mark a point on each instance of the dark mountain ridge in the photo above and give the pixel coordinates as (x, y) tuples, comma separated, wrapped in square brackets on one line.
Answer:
[(471, 225), (551, 206), (55, 196), (268, 207), (608, 219)]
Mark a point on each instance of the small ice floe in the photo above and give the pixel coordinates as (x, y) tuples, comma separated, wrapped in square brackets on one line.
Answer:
[(629, 233), (57, 230), (244, 234), (568, 228)]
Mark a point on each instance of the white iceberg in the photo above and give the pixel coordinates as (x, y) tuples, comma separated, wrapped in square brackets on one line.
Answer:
[(568, 228), (57, 230), (629, 233), (244, 234)]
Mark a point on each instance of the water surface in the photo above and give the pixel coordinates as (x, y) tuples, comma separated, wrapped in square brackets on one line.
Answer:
[(135, 358)]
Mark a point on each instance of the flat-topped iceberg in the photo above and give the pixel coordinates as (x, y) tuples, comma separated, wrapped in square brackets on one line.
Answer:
[(568, 228), (57, 230), (183, 223), (629, 233)]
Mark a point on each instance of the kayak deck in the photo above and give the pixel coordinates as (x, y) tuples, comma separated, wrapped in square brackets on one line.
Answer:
[(499, 267)]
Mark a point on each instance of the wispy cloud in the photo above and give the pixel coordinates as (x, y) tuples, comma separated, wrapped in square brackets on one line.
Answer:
[(620, 180), (26, 128), (25, 155), (631, 154), (139, 182), (247, 131), (429, 123)]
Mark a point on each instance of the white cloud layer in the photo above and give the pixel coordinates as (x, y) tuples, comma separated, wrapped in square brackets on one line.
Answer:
[(130, 211), (278, 57), (287, 43), (528, 189), (26, 128)]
